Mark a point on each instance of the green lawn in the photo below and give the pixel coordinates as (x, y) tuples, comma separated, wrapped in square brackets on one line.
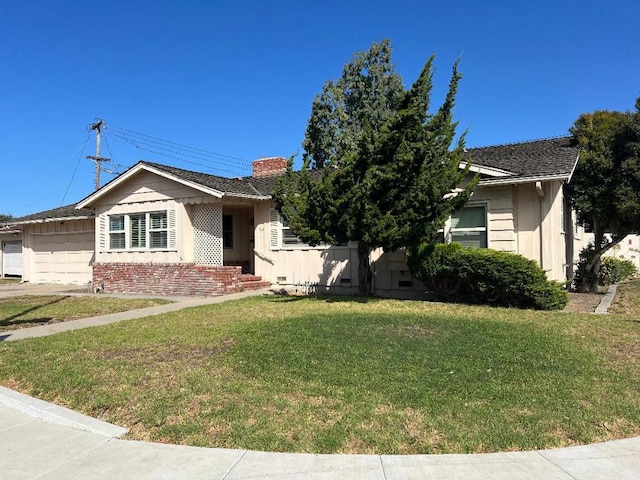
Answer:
[(342, 375), (33, 310), (9, 281)]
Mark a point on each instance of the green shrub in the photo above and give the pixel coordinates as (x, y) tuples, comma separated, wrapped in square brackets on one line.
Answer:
[(614, 270), (480, 275)]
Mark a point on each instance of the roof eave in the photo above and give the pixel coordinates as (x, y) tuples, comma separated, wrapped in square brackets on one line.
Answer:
[(52, 219), (483, 169), (90, 200), (250, 197), (527, 179), (575, 164)]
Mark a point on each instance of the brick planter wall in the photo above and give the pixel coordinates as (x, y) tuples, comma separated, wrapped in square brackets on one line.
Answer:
[(166, 278)]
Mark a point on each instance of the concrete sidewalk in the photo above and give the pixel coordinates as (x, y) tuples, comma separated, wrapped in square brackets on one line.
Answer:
[(42, 441), (44, 330)]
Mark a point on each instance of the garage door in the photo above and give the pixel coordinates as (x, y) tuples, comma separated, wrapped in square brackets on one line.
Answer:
[(63, 258), (12, 259)]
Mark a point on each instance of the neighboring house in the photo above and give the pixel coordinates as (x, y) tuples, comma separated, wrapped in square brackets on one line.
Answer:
[(164, 230), (627, 249)]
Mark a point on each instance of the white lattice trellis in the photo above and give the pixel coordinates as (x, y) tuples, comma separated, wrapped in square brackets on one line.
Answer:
[(207, 229)]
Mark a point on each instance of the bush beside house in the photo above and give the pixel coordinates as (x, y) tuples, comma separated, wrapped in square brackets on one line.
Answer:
[(612, 270), (456, 273)]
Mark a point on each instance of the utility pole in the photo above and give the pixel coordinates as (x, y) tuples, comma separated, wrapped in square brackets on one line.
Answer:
[(97, 159)]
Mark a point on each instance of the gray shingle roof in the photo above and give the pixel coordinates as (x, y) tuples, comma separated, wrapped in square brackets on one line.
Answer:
[(555, 157), (230, 186), (534, 159), (68, 211), (538, 158)]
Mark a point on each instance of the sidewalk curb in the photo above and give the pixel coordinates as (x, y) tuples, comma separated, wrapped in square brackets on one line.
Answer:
[(605, 303), (51, 413)]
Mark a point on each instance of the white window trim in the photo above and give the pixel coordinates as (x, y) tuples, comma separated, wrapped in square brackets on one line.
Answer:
[(170, 230), (114, 232), (448, 229), (276, 236)]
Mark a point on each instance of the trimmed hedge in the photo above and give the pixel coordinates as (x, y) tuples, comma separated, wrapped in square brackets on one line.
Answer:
[(481, 275)]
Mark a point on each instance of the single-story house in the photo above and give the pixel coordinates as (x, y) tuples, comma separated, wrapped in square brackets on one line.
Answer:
[(165, 230)]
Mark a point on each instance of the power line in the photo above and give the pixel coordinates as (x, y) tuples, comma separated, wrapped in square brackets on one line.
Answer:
[(207, 167), (154, 147), (180, 145), (180, 156), (75, 169), (178, 151), (116, 167)]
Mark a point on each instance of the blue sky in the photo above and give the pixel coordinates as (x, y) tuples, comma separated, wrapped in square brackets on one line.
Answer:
[(236, 79)]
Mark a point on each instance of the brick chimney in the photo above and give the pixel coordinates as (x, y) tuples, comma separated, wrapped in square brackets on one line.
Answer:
[(269, 166)]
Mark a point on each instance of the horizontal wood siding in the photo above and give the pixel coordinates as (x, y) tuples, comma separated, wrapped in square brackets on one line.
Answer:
[(326, 266), (500, 216), (149, 187)]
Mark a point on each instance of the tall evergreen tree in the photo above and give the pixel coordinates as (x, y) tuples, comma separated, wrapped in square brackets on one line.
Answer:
[(392, 187), (368, 91), (605, 187)]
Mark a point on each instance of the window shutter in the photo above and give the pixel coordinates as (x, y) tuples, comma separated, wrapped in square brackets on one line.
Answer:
[(274, 229), (171, 232), (102, 232)]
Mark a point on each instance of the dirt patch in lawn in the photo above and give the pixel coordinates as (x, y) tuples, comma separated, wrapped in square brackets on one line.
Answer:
[(583, 302)]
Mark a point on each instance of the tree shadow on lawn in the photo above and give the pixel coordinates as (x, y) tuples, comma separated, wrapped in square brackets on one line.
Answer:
[(38, 321), (9, 321)]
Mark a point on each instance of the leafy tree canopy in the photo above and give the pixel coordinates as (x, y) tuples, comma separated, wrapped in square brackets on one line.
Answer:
[(368, 91), (605, 187), (5, 217), (384, 178)]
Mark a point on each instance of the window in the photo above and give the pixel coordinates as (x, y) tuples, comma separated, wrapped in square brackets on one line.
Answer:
[(116, 232), (138, 229), (141, 231), (158, 230), (227, 231), (469, 226), (288, 237), (281, 235)]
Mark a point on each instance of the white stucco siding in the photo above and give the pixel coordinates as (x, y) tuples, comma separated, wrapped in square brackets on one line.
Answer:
[(627, 249)]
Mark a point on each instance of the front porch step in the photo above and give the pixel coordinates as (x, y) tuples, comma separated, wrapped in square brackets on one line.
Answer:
[(249, 277), (252, 282)]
